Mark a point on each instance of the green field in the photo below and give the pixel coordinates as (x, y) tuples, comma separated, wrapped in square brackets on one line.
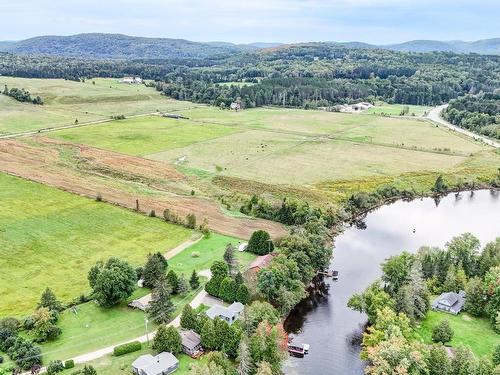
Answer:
[(395, 109), (287, 146), (50, 238), (144, 135), (65, 101), (471, 332)]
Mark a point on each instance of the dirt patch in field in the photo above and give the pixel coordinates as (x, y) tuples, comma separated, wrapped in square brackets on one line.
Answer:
[(121, 180)]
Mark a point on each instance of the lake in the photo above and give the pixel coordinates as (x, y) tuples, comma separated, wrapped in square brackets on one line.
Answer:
[(326, 323)]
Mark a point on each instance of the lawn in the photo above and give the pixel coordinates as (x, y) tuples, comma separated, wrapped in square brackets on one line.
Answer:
[(202, 254), (51, 238), (474, 333), (65, 101)]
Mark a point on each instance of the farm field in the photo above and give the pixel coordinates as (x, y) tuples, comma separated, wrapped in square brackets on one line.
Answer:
[(395, 109), (143, 135), (66, 101), (475, 333), (47, 234), (283, 146)]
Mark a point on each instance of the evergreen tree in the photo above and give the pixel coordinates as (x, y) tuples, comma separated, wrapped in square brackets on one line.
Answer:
[(243, 294), (413, 297), (442, 332), (160, 307), (230, 259), (227, 290), (207, 335), (194, 281), (450, 283), (183, 286), (245, 365), (49, 300), (238, 279), (260, 243), (221, 333), (188, 318), (167, 339), (154, 269), (173, 281)]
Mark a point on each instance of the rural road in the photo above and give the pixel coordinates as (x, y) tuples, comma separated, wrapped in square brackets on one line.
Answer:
[(435, 115)]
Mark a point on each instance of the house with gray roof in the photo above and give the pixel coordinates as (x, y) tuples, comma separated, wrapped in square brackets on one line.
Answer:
[(191, 343), (450, 302), (164, 363), (229, 314)]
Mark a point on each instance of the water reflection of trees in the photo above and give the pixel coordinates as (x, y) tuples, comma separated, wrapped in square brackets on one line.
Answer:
[(318, 295)]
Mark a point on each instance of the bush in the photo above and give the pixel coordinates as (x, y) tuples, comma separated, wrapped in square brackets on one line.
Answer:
[(55, 367), (442, 332), (127, 348), (1, 359), (69, 364)]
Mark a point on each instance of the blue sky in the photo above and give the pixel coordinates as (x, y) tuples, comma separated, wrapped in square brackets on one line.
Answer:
[(243, 21)]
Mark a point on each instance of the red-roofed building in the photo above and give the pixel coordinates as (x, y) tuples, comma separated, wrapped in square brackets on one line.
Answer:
[(261, 262)]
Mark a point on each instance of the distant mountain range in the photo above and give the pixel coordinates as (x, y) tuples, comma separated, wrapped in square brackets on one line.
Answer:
[(129, 47)]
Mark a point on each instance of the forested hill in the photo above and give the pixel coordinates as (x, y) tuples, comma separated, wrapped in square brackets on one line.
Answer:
[(118, 46)]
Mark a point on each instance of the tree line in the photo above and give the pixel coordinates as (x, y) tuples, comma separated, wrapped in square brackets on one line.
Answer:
[(478, 113), (309, 75)]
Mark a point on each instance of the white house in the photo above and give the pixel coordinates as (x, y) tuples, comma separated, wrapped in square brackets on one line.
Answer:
[(131, 80), (164, 363), (450, 302), (230, 314)]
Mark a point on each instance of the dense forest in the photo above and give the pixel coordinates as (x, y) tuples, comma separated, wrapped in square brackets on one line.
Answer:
[(305, 75), (480, 113)]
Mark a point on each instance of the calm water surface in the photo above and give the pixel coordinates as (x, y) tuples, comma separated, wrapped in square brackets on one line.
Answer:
[(325, 322)]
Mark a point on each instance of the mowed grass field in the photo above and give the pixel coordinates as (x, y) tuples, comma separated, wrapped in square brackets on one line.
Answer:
[(64, 101), (474, 333), (395, 109), (288, 146), (51, 238)]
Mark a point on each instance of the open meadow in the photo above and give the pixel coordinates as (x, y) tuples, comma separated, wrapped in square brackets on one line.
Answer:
[(296, 148), (66, 101), (51, 238)]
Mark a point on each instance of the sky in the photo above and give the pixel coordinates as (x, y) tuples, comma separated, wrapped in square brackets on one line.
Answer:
[(245, 21)]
